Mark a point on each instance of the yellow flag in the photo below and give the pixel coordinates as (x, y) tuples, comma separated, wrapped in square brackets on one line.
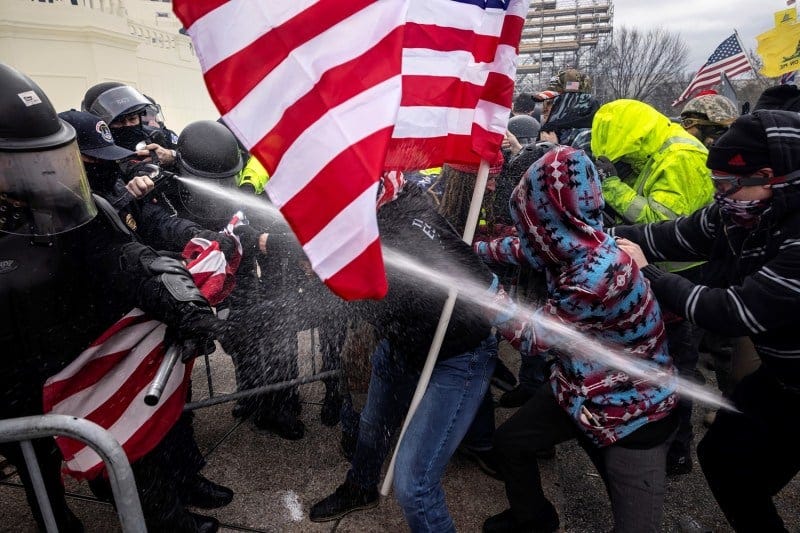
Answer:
[(779, 49), (787, 16)]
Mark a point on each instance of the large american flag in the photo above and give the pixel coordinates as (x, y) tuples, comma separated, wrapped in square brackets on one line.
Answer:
[(327, 94), (728, 58), (107, 382)]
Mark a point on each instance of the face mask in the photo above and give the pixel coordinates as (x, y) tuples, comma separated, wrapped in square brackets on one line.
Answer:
[(128, 136), (741, 212), (102, 175)]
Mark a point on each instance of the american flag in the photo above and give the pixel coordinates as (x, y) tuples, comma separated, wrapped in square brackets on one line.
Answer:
[(328, 94), (107, 382), (728, 58)]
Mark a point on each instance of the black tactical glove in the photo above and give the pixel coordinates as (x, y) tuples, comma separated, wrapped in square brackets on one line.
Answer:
[(171, 296), (605, 168), (226, 244), (249, 237)]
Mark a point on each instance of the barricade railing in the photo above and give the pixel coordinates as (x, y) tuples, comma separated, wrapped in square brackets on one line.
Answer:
[(120, 475), (216, 399)]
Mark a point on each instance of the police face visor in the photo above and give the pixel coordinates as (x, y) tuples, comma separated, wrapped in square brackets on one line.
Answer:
[(118, 101), (44, 192)]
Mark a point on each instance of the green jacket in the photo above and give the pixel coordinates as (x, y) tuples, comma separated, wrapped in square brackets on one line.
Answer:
[(669, 177)]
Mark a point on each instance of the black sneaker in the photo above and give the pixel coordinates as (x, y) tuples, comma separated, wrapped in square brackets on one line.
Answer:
[(516, 397), (285, 425), (485, 460), (506, 523), (503, 378), (345, 500)]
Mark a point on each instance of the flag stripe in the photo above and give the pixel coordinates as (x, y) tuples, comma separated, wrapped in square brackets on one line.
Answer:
[(728, 58), (135, 320), (436, 73), (350, 280), (137, 437), (368, 112), (107, 404), (303, 40), (90, 383), (336, 195), (273, 94), (331, 90)]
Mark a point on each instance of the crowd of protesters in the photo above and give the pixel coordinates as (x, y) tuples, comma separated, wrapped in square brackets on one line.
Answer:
[(647, 234)]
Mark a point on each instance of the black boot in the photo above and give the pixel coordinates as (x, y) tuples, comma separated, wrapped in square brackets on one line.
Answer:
[(347, 498), (205, 494), (285, 425), (348, 445), (331, 406), (204, 524), (546, 522)]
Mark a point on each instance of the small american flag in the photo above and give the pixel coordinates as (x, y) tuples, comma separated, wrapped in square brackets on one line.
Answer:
[(328, 94), (107, 382), (728, 58)]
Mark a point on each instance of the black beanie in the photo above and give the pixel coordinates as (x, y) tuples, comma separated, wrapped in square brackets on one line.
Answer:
[(742, 149), (784, 97)]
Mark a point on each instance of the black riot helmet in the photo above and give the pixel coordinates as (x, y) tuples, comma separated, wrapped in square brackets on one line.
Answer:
[(111, 100), (524, 127), (207, 150), (43, 187)]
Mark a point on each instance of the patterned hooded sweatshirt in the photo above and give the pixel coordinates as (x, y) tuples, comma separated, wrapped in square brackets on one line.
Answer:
[(592, 286)]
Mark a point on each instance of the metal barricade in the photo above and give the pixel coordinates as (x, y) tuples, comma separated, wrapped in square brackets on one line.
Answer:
[(216, 399), (119, 470)]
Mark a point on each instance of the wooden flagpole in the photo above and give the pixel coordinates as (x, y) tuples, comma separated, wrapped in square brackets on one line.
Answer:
[(444, 320)]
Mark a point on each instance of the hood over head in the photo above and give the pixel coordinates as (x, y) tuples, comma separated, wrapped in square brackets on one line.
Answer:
[(632, 131), (557, 208)]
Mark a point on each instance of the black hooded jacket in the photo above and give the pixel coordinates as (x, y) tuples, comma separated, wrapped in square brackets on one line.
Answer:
[(407, 317)]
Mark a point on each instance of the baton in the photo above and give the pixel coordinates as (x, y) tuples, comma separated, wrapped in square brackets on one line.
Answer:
[(171, 358)]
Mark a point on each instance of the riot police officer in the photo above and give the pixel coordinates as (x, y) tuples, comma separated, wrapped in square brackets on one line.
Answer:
[(70, 269), (122, 107)]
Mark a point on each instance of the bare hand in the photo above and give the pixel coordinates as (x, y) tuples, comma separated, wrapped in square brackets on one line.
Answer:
[(262, 242), (634, 251), (511, 143), (140, 185), (165, 156)]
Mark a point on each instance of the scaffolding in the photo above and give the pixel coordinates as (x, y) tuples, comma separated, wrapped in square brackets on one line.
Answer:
[(559, 34)]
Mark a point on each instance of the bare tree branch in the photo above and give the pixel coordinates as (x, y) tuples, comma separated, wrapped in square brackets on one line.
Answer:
[(639, 64)]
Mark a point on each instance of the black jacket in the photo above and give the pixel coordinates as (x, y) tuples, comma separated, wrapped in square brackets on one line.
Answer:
[(752, 278), (154, 223), (407, 317)]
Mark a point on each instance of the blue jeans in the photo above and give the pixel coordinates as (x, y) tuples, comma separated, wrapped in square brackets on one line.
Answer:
[(457, 387)]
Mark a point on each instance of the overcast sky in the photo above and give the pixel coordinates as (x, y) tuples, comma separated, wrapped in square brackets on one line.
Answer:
[(703, 24)]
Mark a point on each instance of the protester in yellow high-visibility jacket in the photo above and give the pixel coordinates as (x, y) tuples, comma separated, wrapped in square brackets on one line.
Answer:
[(652, 170), (668, 176)]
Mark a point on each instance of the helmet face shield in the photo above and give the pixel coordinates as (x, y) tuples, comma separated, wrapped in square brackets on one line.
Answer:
[(44, 192), (118, 101)]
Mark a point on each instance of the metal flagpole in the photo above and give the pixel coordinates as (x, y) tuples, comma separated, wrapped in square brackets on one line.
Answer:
[(444, 320)]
